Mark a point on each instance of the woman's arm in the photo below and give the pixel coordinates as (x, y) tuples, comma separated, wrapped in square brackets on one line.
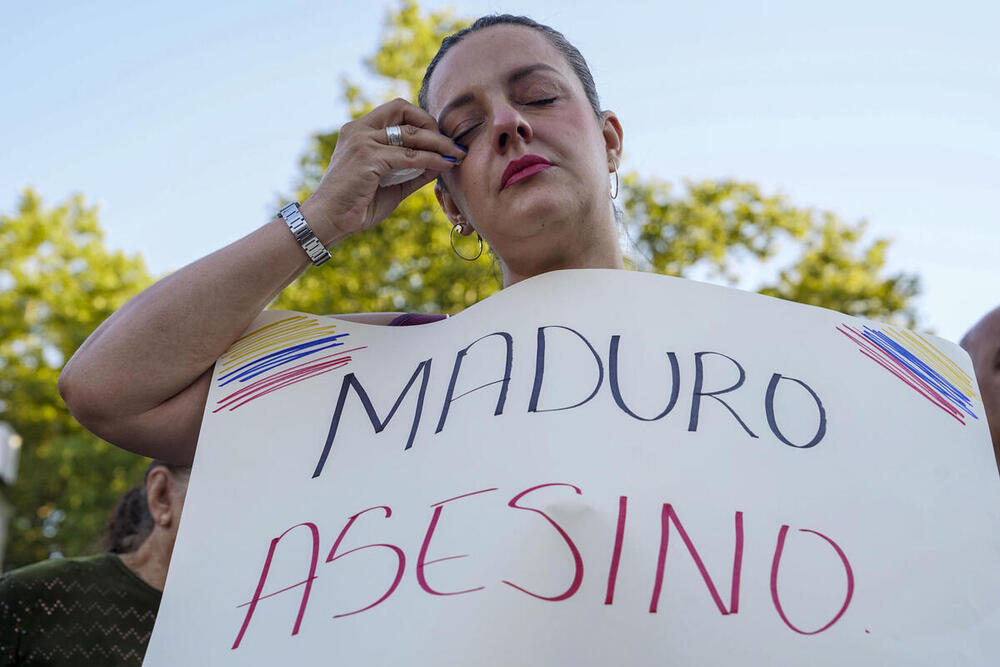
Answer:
[(141, 379)]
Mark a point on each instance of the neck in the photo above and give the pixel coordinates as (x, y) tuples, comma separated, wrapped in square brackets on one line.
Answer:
[(600, 251), (150, 561)]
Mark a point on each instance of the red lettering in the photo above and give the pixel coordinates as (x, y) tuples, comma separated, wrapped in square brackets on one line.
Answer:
[(400, 557), (779, 550), (307, 582), (616, 554), (577, 559), (422, 558), (666, 516)]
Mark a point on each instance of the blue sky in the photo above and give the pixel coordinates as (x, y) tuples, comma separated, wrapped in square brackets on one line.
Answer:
[(183, 120)]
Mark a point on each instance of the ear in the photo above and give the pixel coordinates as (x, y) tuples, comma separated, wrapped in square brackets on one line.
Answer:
[(611, 128), (451, 209), (160, 497)]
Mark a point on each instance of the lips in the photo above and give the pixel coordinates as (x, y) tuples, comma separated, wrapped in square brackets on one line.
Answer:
[(522, 168)]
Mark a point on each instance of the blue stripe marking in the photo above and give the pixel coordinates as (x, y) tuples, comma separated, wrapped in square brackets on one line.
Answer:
[(271, 360), (930, 375), (920, 369)]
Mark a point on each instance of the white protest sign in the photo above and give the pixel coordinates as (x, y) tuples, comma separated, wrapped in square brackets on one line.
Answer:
[(592, 468)]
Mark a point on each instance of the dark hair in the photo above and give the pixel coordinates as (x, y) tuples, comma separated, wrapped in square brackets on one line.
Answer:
[(556, 38), (130, 523)]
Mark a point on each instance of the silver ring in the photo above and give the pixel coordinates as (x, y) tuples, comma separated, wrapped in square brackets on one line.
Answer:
[(394, 133)]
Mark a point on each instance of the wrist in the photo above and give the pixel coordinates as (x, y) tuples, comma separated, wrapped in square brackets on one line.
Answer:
[(303, 233), (325, 230)]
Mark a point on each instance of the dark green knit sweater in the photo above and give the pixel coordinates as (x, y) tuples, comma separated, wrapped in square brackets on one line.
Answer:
[(76, 611)]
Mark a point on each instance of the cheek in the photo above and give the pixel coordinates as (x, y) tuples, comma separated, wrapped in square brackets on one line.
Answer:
[(472, 183), (594, 141), (458, 193)]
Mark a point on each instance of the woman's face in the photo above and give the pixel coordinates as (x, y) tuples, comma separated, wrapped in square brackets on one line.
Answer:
[(507, 94)]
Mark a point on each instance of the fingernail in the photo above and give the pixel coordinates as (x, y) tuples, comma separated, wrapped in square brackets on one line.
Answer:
[(449, 159), (461, 146)]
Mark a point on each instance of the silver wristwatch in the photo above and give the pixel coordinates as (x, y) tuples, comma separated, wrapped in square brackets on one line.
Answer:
[(303, 233)]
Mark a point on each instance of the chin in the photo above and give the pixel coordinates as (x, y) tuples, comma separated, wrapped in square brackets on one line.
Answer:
[(537, 248), (541, 213)]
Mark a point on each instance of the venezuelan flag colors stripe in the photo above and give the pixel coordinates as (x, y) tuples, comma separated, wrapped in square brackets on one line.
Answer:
[(917, 362), (262, 361)]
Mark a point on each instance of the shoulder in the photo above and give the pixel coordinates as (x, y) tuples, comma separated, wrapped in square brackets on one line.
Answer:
[(74, 611), (67, 582), (27, 591), (44, 573)]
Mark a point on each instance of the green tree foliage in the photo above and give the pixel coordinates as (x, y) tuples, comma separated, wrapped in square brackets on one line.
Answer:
[(836, 271), (57, 283), (405, 262), (728, 228), (724, 229)]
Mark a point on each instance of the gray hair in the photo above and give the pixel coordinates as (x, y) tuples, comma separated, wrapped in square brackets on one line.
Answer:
[(556, 38)]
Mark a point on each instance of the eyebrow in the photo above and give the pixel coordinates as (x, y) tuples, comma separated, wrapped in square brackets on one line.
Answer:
[(512, 78)]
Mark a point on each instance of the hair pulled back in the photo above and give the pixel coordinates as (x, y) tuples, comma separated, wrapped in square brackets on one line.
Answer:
[(130, 523), (571, 53)]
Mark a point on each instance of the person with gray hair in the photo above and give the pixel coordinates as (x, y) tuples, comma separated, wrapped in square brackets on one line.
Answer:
[(98, 610), (982, 342)]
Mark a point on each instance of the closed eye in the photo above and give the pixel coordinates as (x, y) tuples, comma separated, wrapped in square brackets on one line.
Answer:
[(538, 103), (459, 138)]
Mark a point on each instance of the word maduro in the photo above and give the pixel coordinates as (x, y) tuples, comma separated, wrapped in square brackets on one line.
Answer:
[(505, 360), (522, 502)]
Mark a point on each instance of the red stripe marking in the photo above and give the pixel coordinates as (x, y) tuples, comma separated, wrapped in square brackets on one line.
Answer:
[(904, 373), (472, 493), (285, 378), (334, 366), (901, 371)]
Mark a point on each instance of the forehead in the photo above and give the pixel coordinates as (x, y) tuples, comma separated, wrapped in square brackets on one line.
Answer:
[(486, 56)]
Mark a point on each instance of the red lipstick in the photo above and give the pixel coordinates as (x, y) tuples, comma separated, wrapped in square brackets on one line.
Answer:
[(522, 168)]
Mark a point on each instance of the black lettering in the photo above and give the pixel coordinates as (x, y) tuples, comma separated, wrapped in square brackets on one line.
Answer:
[(504, 382), (773, 423), (536, 389), (423, 370), (675, 374), (699, 376)]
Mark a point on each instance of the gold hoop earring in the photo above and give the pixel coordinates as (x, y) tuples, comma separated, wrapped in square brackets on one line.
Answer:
[(458, 227), (615, 195)]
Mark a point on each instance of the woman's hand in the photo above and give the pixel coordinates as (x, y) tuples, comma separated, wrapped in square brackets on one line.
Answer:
[(142, 378), (349, 197)]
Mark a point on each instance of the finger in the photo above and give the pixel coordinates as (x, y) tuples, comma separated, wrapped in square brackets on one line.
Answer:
[(395, 158), (400, 112), (421, 139)]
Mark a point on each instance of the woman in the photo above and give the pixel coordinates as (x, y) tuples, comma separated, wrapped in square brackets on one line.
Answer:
[(509, 123), (98, 610)]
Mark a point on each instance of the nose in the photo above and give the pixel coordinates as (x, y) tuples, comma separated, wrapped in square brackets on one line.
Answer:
[(509, 126)]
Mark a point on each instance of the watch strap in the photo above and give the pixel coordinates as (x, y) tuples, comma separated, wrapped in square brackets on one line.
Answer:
[(303, 233)]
